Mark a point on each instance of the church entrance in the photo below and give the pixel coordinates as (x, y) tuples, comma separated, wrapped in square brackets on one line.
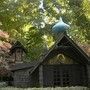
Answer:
[(64, 75)]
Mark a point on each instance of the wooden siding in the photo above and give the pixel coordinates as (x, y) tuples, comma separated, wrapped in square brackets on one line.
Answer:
[(34, 79), (21, 78), (88, 72), (41, 76), (48, 76)]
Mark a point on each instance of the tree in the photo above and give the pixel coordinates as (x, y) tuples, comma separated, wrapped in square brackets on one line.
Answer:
[(4, 49), (31, 21)]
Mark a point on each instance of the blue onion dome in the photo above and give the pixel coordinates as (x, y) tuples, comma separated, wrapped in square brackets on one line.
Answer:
[(60, 27)]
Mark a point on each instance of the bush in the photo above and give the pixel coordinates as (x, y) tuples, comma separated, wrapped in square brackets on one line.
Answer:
[(3, 84)]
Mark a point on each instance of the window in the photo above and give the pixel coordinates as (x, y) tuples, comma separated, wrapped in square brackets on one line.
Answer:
[(57, 79), (65, 78), (61, 77), (18, 56)]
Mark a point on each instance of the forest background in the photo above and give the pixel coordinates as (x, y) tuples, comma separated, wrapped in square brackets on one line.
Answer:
[(31, 21)]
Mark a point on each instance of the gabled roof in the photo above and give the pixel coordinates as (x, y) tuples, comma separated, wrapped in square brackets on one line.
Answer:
[(24, 65), (65, 45), (85, 48), (17, 45)]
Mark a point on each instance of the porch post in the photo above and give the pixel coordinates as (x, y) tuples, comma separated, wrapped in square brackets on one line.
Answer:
[(41, 76), (88, 73)]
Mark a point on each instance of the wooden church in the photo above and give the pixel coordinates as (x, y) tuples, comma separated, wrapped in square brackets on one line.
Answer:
[(64, 64)]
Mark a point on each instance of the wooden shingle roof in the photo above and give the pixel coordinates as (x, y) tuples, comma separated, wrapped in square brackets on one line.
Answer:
[(21, 66), (85, 48), (17, 45), (74, 51), (65, 45)]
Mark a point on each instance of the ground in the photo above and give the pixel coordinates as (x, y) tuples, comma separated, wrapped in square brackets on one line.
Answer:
[(57, 88)]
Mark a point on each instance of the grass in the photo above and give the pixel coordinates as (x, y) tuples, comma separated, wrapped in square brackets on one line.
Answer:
[(3, 86), (57, 88)]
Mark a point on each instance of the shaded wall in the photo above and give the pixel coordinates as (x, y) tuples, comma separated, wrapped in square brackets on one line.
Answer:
[(88, 72), (34, 79), (21, 78), (64, 75)]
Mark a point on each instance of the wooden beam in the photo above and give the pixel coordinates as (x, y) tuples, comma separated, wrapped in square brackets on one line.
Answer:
[(41, 76), (63, 47)]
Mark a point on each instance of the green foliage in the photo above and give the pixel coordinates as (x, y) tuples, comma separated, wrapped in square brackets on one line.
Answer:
[(24, 21), (34, 42)]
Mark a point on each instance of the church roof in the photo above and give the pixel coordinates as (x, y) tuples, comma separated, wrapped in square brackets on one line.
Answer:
[(85, 48), (65, 45), (17, 45), (23, 65)]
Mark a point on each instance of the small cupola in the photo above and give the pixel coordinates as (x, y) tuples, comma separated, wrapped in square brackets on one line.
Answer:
[(17, 52)]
